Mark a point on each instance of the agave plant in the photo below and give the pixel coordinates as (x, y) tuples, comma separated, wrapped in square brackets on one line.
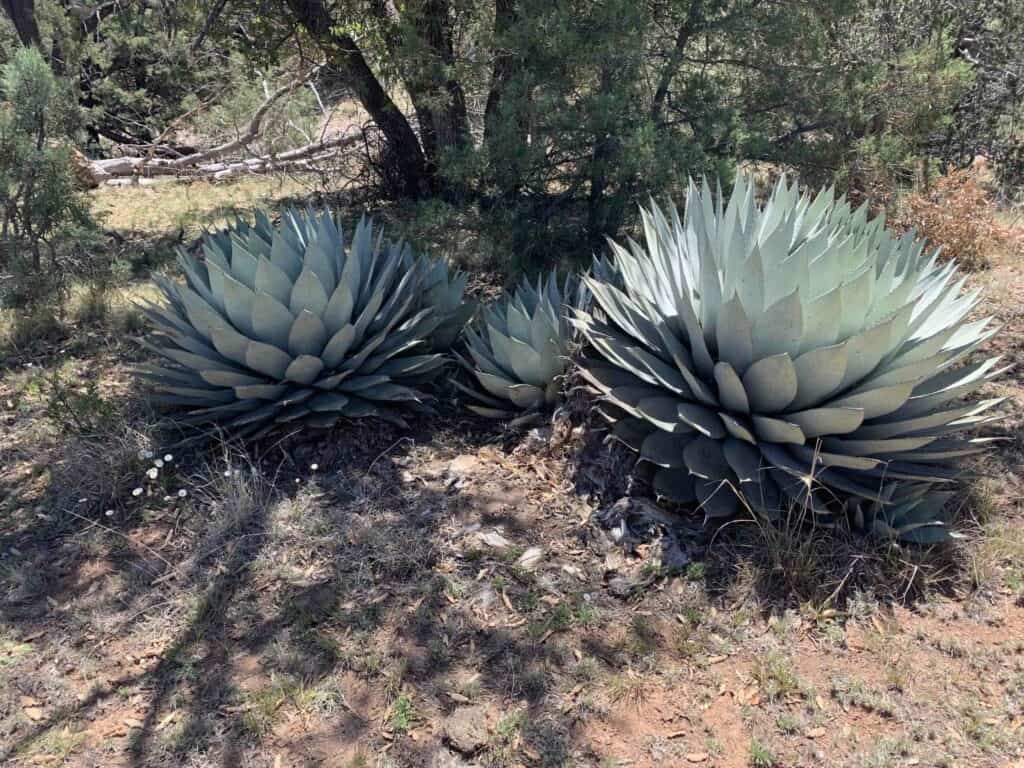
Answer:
[(792, 355), (519, 350), (287, 325)]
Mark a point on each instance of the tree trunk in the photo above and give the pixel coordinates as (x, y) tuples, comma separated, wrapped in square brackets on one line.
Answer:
[(506, 124), (23, 14), (402, 152), (436, 96), (451, 125), (687, 30)]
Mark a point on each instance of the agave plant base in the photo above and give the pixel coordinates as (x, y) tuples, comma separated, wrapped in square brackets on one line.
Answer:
[(287, 327), (795, 356)]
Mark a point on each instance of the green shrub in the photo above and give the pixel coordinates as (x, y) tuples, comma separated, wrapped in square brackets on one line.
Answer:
[(39, 204)]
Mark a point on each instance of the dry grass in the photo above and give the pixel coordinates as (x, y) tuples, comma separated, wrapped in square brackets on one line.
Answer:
[(958, 214), (167, 208)]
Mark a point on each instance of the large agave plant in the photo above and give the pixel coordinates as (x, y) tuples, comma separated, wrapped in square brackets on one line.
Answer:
[(287, 325), (519, 350), (795, 354)]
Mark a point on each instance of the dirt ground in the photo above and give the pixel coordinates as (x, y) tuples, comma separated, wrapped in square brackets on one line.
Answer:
[(443, 598)]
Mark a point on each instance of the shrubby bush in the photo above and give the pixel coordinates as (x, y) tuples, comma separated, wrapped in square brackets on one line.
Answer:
[(46, 231), (957, 213)]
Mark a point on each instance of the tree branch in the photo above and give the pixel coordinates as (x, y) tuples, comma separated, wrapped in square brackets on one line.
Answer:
[(687, 29)]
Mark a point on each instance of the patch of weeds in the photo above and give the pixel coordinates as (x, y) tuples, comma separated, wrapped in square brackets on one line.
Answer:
[(438, 650), (367, 664), (761, 756), (509, 726), (511, 553), (627, 688), (788, 724), (187, 669), (323, 698), (983, 729), (401, 714), (534, 684), (586, 670), (643, 637), (586, 614), (897, 675), (548, 740), (696, 572), (394, 679), (262, 706), (505, 739), (528, 601), (559, 619), (861, 606), (57, 746), (714, 747), (950, 646), (11, 651), (852, 692), (888, 753), (775, 677), (470, 688), (75, 406)]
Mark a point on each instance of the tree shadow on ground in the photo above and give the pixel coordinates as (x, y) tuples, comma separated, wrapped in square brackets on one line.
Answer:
[(374, 540)]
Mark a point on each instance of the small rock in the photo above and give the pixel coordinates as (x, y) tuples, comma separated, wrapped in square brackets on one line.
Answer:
[(495, 539), (33, 713), (530, 558), (697, 757), (572, 570), (442, 758), (463, 465), (466, 729), (815, 733)]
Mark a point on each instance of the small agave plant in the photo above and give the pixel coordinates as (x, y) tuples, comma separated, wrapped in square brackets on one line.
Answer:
[(290, 325), (519, 350), (792, 355)]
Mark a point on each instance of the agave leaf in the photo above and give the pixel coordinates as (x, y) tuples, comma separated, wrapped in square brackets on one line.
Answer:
[(819, 374), (717, 500), (526, 395), (273, 280), (915, 425), (839, 420), (675, 485), (875, 447), (271, 320), (737, 429), (780, 328), (243, 263), (304, 369), (260, 391), (632, 432), (730, 388), (771, 383), (735, 344), (267, 359), (307, 336), (308, 293), (778, 431), (664, 449)]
